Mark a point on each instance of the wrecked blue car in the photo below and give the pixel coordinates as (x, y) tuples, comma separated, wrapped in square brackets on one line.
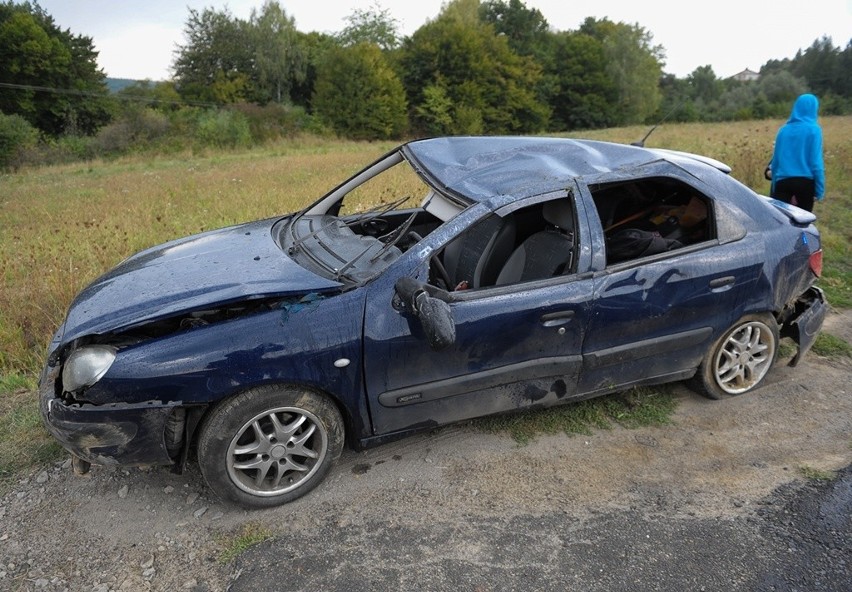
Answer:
[(452, 278)]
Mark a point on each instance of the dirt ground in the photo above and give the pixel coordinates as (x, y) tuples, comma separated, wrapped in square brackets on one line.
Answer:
[(457, 493)]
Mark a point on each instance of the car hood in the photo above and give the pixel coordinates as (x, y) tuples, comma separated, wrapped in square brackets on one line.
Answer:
[(193, 273)]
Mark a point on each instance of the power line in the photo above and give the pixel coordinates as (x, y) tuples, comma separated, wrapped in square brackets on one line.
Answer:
[(89, 93)]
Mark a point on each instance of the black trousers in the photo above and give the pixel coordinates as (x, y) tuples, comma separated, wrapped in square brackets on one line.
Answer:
[(798, 191)]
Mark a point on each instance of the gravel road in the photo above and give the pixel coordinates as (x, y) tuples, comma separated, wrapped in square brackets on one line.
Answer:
[(716, 501)]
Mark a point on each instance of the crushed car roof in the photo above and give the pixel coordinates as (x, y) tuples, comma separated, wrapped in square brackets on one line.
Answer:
[(478, 168)]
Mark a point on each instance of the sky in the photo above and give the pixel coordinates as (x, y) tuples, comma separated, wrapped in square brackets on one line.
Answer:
[(137, 38)]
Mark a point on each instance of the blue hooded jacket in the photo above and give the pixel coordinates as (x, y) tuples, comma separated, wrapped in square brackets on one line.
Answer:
[(798, 146)]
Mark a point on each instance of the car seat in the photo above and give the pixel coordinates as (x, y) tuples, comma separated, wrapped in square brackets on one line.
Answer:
[(546, 253), (477, 256)]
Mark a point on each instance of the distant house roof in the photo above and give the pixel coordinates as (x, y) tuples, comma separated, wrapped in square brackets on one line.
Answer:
[(746, 76)]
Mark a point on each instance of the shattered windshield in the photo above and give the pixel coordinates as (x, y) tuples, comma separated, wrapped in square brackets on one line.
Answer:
[(364, 225)]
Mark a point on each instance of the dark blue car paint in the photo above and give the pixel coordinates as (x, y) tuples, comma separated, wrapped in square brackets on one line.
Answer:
[(209, 269), (517, 346), (477, 169), (114, 433), (206, 364), (804, 328), (498, 332)]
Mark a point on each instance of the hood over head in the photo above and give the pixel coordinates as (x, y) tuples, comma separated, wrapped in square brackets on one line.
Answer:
[(804, 109)]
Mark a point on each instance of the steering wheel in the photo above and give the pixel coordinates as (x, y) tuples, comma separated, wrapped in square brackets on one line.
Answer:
[(374, 226)]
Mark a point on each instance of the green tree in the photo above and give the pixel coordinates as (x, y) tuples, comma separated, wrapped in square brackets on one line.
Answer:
[(634, 65), (844, 64), (435, 113), (459, 58), (280, 61), (583, 94), (704, 85), (819, 65), (525, 28), (52, 75), (314, 47), (161, 96), (824, 70), (359, 94), (844, 86), (374, 25), (738, 102), (462, 11), (781, 88), (677, 103), (228, 60), (17, 136), (216, 63)]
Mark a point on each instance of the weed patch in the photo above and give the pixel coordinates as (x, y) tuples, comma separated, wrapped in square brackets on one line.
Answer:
[(812, 474), (831, 346), (631, 409), (233, 546), (24, 442)]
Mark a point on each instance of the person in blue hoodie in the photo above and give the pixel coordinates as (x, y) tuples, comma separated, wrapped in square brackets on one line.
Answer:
[(798, 171)]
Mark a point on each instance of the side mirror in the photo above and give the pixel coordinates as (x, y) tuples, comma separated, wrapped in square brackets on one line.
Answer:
[(436, 316)]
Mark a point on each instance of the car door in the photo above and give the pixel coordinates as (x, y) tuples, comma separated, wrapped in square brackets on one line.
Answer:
[(515, 346), (655, 317)]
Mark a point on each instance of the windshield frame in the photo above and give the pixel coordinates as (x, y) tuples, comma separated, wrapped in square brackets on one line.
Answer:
[(332, 245)]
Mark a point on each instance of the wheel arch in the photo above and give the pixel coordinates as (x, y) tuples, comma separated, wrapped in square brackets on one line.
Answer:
[(707, 378), (198, 414)]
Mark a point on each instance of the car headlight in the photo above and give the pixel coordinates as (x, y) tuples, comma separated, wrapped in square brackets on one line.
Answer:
[(86, 366)]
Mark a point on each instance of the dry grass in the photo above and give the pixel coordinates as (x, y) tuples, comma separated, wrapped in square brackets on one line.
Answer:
[(24, 442), (63, 226)]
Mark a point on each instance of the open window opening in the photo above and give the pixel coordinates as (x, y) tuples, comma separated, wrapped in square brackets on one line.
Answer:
[(532, 243), (645, 217), (365, 224)]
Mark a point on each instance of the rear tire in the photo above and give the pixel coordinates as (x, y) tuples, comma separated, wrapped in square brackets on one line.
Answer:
[(739, 360), (269, 445)]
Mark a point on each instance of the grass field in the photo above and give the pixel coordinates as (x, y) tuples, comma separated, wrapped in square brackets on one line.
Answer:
[(62, 226)]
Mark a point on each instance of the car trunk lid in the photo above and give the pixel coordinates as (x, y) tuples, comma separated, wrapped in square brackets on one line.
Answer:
[(797, 215)]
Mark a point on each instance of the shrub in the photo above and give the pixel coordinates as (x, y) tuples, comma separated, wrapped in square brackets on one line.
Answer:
[(64, 149), (130, 130), (273, 121), (435, 112), (359, 94), (17, 138), (222, 129)]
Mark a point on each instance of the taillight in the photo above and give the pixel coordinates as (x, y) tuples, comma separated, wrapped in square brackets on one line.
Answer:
[(815, 261)]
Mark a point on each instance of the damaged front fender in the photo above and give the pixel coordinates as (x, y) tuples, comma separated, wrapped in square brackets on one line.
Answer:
[(113, 434)]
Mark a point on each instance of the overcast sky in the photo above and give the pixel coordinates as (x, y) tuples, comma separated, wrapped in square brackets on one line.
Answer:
[(137, 38)]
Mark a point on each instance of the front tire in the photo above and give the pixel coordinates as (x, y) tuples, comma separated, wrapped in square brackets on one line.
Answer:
[(740, 359), (269, 445)]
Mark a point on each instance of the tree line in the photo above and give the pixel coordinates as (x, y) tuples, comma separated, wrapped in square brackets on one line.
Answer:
[(478, 67)]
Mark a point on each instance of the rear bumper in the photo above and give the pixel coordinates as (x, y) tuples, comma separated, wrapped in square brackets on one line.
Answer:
[(114, 434), (803, 328)]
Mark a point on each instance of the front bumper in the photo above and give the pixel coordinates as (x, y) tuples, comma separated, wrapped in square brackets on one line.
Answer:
[(112, 434), (804, 327)]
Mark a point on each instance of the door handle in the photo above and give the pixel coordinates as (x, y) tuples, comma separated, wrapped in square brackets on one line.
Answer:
[(722, 282), (555, 319)]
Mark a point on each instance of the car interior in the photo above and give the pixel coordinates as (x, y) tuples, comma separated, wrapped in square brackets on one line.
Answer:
[(643, 217), (640, 217), (535, 242)]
